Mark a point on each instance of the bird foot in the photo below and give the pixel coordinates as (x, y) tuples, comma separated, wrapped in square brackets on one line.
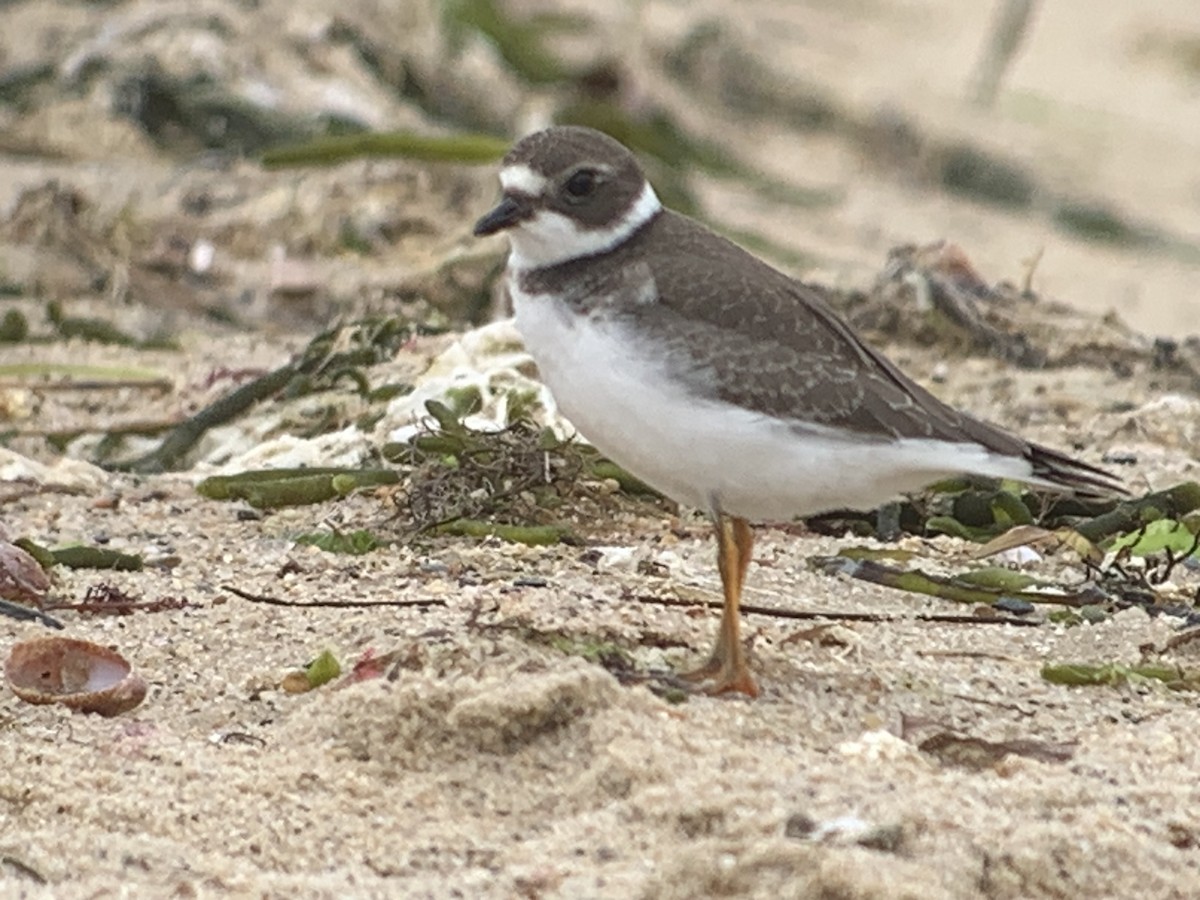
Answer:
[(717, 677)]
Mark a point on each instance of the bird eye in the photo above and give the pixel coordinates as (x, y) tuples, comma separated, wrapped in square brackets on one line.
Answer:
[(581, 184)]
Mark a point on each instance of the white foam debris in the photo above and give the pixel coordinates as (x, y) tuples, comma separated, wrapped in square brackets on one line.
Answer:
[(490, 362), (878, 745), (65, 473), (347, 447), (1019, 556)]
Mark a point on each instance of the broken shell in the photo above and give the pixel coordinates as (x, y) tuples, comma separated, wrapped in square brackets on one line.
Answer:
[(22, 580), (79, 674)]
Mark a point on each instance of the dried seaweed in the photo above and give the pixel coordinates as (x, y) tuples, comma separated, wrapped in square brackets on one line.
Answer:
[(520, 41), (1161, 522), (1110, 674), (328, 151), (341, 352), (954, 588), (275, 488), (14, 327), (1130, 515), (514, 476), (80, 557), (354, 543), (1103, 588), (99, 331), (517, 482), (110, 600), (965, 751)]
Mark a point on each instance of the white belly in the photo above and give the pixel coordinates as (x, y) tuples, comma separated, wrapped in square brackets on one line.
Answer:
[(710, 454)]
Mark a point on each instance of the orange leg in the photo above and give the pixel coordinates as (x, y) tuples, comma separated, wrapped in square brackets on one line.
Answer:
[(726, 670)]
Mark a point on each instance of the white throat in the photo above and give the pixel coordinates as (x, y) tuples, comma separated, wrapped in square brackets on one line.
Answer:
[(549, 238)]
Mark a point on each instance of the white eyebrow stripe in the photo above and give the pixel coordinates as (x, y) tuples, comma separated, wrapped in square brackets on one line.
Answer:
[(521, 179)]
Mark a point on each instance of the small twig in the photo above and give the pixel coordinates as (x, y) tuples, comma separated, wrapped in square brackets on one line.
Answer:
[(23, 868), (777, 613), (238, 737), (1031, 265), (334, 604), (970, 654), (161, 385), (1172, 561), (998, 704), (105, 607), (1178, 640)]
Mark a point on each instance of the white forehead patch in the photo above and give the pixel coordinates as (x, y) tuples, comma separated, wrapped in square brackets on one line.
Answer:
[(521, 179), (549, 238)]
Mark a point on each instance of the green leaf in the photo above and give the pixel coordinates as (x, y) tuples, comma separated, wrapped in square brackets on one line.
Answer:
[(997, 578), (1157, 536), (79, 557), (272, 488), (447, 418), (327, 151), (951, 526), (322, 670), (355, 543), (1008, 510), (1113, 673)]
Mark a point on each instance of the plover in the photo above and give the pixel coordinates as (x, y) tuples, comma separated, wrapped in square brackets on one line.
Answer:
[(719, 380)]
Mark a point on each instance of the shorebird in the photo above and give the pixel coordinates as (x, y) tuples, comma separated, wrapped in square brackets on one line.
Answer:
[(719, 380)]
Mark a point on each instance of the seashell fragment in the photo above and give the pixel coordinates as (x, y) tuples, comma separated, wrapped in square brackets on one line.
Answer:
[(22, 580), (77, 673)]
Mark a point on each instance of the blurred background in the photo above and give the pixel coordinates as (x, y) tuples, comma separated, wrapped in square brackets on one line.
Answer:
[(1057, 143)]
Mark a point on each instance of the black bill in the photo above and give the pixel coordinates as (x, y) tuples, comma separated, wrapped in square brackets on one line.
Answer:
[(507, 213)]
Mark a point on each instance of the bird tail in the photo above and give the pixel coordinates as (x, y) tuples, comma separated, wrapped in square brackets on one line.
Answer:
[(1065, 473)]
